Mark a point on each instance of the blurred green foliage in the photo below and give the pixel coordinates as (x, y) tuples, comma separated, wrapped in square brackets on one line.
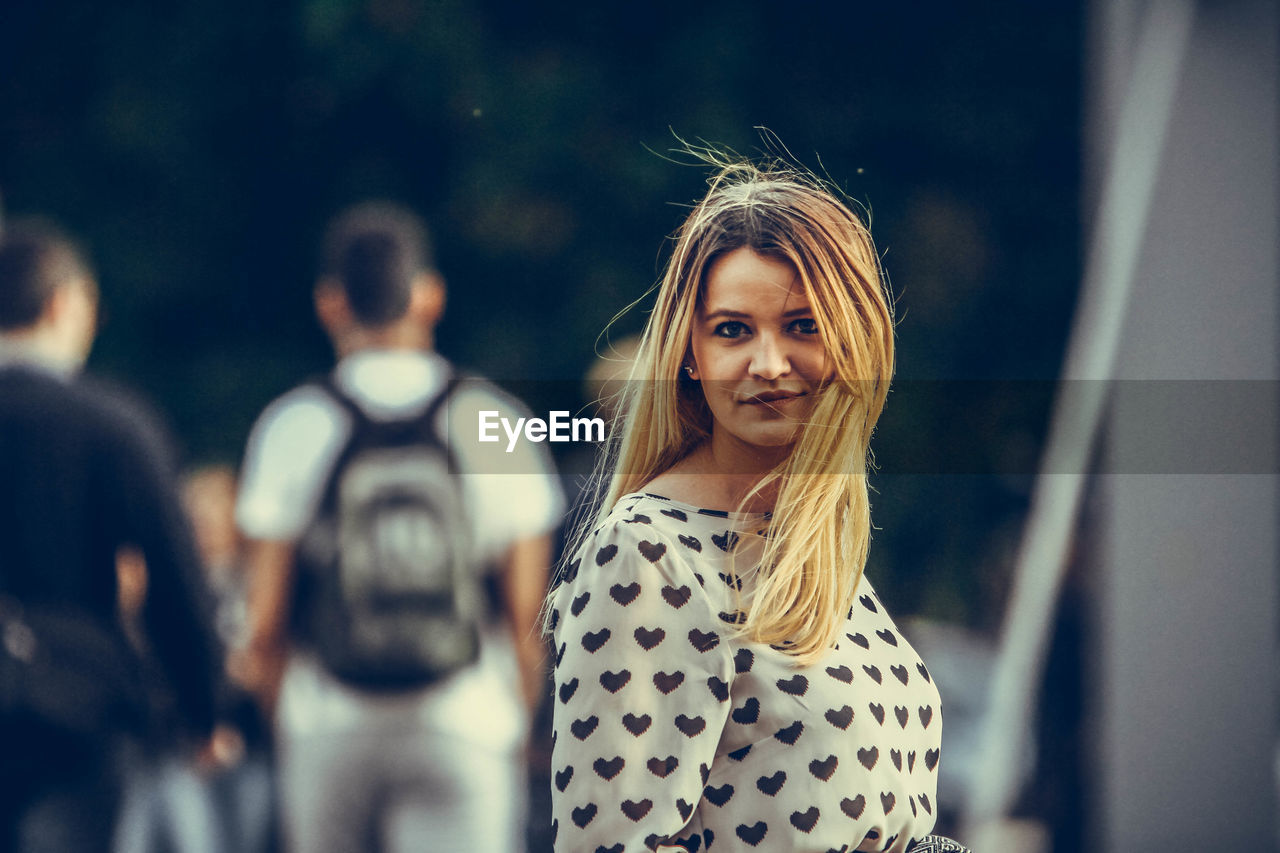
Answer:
[(198, 147)]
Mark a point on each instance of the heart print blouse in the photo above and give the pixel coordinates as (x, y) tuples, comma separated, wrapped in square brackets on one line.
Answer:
[(673, 731)]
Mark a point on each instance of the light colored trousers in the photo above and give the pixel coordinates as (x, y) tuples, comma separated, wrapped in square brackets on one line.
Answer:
[(404, 791), (439, 769)]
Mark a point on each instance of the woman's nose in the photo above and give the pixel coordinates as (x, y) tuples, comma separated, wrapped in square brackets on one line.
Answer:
[(769, 359)]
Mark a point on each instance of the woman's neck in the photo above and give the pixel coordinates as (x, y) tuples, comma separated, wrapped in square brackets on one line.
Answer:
[(720, 475)]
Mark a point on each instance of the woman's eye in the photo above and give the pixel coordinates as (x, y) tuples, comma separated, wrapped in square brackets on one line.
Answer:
[(805, 326), (731, 329)]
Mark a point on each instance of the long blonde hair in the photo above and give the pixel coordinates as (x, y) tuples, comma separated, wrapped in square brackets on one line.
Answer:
[(817, 548)]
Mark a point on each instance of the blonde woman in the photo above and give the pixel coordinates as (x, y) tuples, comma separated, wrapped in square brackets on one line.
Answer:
[(726, 677)]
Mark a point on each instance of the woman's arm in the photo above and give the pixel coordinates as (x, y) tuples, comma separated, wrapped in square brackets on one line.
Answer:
[(642, 684)]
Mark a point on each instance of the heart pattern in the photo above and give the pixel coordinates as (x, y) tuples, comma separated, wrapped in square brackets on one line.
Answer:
[(663, 767), (769, 755), (668, 682), (840, 718), (608, 769), (726, 541), (614, 681), (841, 673), (825, 768), (771, 785), (805, 821), (790, 734), (636, 810), (753, 834), (690, 726), (652, 551), (796, 685), (737, 617), (593, 642), (853, 808), (748, 713), (583, 815), (718, 796), (677, 598), (583, 729), (649, 639), (637, 725), (703, 641), (624, 595)]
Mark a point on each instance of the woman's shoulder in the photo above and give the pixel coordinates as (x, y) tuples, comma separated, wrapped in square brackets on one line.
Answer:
[(635, 523), (692, 532), (647, 535), (637, 568)]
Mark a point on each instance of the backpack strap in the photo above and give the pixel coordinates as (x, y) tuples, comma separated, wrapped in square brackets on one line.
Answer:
[(329, 385), (361, 421), (366, 430)]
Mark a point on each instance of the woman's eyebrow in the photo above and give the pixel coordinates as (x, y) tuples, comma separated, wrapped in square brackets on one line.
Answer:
[(727, 313), (730, 314)]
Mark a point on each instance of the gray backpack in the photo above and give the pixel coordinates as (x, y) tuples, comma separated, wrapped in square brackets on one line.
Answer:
[(390, 591)]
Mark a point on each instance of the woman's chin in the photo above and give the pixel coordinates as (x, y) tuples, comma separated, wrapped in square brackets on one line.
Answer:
[(775, 441)]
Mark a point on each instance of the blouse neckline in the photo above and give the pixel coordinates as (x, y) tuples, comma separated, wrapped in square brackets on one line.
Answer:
[(692, 509)]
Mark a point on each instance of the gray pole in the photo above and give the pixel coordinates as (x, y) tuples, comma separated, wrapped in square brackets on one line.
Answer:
[(1130, 173), (1185, 564)]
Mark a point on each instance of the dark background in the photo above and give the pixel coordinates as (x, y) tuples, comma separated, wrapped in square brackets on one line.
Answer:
[(198, 147)]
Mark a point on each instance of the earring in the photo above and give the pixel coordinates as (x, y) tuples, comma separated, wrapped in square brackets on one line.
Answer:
[(688, 368)]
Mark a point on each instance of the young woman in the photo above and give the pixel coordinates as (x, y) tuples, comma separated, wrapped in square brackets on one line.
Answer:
[(726, 678)]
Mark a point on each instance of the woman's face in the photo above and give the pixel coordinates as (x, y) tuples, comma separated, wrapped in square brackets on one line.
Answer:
[(756, 351)]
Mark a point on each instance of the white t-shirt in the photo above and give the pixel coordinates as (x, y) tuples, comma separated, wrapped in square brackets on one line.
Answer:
[(290, 453)]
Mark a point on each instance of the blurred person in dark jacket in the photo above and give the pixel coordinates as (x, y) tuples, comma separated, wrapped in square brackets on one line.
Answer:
[(86, 481)]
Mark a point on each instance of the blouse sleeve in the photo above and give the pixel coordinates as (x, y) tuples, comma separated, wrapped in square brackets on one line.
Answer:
[(642, 681)]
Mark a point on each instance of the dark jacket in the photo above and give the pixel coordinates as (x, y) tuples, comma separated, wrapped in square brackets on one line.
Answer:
[(83, 472)]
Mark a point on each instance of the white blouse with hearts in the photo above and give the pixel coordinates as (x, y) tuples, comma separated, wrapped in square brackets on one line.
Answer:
[(671, 729)]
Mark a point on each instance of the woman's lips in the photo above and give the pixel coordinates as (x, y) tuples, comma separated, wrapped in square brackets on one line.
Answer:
[(772, 398)]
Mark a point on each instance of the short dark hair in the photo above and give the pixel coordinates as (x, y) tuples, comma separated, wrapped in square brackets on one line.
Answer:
[(36, 259), (374, 250)]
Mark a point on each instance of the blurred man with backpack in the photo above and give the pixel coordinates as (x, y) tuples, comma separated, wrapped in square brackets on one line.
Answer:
[(395, 580)]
